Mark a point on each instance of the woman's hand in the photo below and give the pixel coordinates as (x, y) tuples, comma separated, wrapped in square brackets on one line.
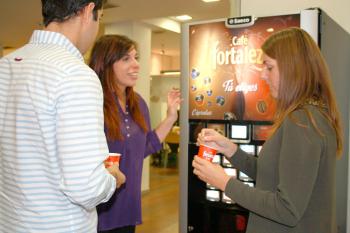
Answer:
[(118, 175), (210, 173), (217, 141), (174, 100)]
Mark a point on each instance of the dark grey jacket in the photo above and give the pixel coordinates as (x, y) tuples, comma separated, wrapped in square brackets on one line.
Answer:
[(295, 179)]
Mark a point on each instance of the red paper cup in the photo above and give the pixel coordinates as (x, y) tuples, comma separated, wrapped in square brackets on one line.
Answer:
[(206, 152), (112, 159)]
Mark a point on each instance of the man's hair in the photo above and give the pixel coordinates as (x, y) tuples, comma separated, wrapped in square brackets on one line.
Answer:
[(61, 10)]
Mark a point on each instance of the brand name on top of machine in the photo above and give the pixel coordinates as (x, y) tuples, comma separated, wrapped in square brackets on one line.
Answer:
[(241, 20), (239, 53)]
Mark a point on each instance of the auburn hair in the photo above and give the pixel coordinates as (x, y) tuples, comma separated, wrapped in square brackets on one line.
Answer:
[(304, 78), (107, 50)]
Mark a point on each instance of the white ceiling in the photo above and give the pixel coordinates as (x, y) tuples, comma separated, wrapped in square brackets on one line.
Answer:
[(18, 18)]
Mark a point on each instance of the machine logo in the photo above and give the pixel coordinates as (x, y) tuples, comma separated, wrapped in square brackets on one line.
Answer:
[(238, 22)]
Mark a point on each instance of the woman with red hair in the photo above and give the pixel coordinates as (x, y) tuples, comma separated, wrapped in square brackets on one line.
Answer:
[(127, 126)]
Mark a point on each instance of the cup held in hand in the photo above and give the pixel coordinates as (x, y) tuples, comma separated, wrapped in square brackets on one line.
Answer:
[(113, 158), (206, 152)]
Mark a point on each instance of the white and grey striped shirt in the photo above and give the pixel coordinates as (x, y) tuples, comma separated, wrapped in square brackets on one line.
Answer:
[(52, 142)]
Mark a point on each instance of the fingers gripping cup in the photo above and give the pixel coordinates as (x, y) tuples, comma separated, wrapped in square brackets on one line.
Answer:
[(206, 152), (113, 158)]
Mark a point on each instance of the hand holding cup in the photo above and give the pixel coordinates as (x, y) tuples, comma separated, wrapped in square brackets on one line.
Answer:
[(118, 175), (206, 152), (112, 165), (216, 141), (113, 158)]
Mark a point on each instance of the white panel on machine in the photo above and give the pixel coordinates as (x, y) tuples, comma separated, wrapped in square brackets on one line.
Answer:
[(309, 22)]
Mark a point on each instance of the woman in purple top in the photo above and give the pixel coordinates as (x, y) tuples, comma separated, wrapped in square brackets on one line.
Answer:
[(127, 126)]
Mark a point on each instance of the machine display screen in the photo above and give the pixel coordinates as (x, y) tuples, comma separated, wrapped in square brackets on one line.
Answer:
[(217, 159), (244, 177), (213, 195), (261, 132), (226, 163), (239, 132), (250, 149), (251, 184), (258, 149), (226, 199), (231, 172), (209, 186)]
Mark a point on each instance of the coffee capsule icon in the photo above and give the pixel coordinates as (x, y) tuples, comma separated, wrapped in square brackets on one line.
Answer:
[(229, 116), (261, 106), (194, 73), (199, 99), (220, 100), (209, 92), (207, 80)]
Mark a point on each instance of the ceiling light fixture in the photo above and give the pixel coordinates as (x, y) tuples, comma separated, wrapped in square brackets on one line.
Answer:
[(211, 0), (183, 17), (170, 72)]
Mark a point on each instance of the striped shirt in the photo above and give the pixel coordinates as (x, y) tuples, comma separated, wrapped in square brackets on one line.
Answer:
[(52, 142)]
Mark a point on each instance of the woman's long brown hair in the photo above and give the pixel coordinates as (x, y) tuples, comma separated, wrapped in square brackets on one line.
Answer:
[(105, 52), (304, 77)]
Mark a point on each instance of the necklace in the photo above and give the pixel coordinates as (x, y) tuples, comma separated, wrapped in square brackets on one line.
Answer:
[(314, 102)]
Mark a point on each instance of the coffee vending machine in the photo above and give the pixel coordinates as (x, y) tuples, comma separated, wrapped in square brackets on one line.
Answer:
[(222, 89)]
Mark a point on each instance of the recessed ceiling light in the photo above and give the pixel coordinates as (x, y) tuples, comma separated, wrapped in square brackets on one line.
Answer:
[(183, 17), (210, 0)]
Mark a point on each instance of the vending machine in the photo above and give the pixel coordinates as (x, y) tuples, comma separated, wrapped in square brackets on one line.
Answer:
[(222, 89)]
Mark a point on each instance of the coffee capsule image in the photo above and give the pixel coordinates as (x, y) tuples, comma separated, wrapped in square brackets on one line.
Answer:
[(229, 116), (193, 88), (207, 80), (199, 99), (209, 92), (220, 100), (261, 106), (194, 73)]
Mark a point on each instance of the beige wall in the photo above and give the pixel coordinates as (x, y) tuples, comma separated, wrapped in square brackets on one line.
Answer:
[(161, 62), (336, 9)]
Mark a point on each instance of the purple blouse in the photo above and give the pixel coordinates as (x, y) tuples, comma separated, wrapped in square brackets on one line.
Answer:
[(124, 207)]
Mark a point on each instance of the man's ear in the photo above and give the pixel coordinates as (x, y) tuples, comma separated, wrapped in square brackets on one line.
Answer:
[(87, 12)]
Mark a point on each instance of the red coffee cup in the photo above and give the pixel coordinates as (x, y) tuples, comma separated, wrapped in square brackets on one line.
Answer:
[(206, 152), (112, 159)]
